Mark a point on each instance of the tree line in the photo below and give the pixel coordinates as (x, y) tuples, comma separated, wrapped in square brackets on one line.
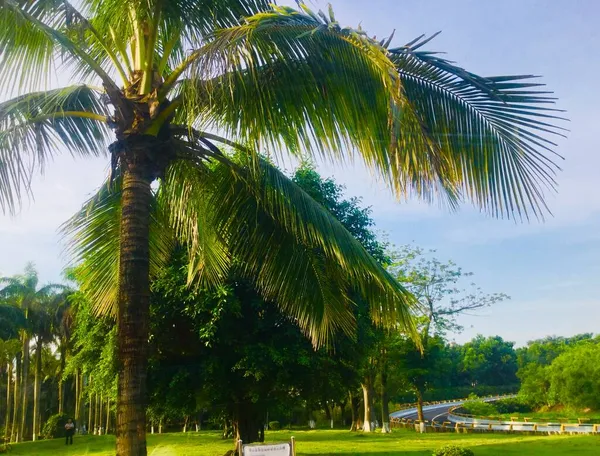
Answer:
[(561, 371)]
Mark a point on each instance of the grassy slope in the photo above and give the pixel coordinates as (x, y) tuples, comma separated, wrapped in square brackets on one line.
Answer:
[(401, 442)]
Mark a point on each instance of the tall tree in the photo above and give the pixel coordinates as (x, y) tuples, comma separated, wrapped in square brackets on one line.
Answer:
[(438, 289), (265, 76), (63, 328), (42, 324), (490, 361), (9, 349)]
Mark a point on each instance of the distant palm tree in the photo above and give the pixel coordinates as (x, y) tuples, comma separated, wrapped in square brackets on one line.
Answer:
[(44, 328), (22, 291), (9, 348), (172, 74), (62, 330)]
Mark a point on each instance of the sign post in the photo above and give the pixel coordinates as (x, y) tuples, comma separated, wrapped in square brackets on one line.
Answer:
[(269, 449)]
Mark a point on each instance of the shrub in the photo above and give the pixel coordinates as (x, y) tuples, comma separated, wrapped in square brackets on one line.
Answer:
[(274, 425), (452, 450), (513, 405), (479, 408), (55, 426)]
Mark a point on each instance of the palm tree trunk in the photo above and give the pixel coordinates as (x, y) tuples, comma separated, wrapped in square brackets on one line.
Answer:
[(9, 374), (77, 403), (61, 385), (16, 395), (24, 388), (100, 416), (96, 415), (133, 312), (107, 416), (37, 388), (90, 409)]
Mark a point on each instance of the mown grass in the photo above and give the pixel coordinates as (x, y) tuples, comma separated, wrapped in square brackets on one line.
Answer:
[(330, 442)]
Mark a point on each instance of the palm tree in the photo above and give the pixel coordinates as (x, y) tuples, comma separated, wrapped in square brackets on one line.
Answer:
[(23, 291), (43, 318), (9, 348), (63, 326), (12, 321), (171, 84)]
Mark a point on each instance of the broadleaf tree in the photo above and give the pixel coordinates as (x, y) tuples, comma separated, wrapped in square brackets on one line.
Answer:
[(167, 84), (438, 288)]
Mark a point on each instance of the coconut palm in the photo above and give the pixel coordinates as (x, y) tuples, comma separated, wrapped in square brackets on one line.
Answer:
[(22, 291), (171, 85)]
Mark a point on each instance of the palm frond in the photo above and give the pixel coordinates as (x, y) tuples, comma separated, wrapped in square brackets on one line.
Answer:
[(36, 126), (24, 48), (12, 319), (94, 235), (292, 79), (184, 196), (299, 255), (490, 134), (35, 34), (13, 288)]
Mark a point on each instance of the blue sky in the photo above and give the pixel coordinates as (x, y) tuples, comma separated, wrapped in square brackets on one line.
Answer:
[(549, 269)]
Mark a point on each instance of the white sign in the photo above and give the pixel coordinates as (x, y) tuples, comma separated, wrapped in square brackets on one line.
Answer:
[(278, 449)]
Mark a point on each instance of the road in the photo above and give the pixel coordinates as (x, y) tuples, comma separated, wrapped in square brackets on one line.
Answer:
[(438, 412)]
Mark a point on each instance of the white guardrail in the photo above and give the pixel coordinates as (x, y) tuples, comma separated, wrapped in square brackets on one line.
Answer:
[(464, 423)]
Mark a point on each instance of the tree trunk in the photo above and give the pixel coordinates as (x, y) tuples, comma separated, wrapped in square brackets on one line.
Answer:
[(328, 415), (37, 389), (385, 401), (369, 417), (133, 309), (100, 416), (96, 416), (420, 415), (246, 421), (90, 428), (342, 406), (107, 416), (14, 433), (77, 399), (9, 375), (354, 409), (61, 386), (24, 389)]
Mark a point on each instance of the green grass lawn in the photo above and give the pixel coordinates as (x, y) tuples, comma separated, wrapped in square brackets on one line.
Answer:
[(401, 442)]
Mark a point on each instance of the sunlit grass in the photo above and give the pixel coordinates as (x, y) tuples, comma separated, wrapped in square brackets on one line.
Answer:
[(322, 442)]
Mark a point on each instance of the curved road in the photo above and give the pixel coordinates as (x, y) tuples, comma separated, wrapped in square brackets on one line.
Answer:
[(437, 412)]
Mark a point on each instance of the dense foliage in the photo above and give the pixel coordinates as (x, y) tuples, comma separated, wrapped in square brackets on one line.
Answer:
[(559, 371)]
